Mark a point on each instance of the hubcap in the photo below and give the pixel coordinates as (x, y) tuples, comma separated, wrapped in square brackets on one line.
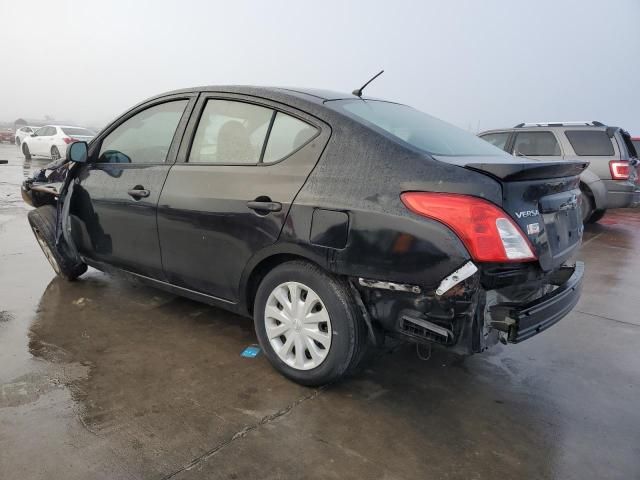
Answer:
[(298, 325)]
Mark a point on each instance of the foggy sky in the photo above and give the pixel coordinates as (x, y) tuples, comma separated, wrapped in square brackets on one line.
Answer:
[(476, 64)]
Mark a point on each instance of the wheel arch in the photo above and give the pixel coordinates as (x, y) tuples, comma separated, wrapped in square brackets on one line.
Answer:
[(258, 270), (596, 188)]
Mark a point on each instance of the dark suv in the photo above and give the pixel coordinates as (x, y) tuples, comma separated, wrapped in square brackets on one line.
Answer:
[(333, 220), (611, 181)]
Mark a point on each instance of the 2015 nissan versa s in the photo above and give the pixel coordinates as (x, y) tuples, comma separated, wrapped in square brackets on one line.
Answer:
[(334, 220)]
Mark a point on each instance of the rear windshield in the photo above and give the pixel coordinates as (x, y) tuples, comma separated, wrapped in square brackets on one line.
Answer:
[(83, 132), (590, 142), (416, 128)]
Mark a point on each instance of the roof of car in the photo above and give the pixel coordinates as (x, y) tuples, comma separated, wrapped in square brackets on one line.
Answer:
[(545, 127), (314, 95), (66, 126)]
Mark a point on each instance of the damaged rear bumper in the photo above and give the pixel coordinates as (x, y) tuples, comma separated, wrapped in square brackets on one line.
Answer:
[(463, 318), (521, 322)]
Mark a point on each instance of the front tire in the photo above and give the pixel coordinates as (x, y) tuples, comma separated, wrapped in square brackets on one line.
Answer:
[(26, 152), (43, 221), (308, 325), (17, 142)]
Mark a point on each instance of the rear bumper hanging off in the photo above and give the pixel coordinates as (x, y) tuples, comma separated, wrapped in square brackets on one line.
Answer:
[(521, 322)]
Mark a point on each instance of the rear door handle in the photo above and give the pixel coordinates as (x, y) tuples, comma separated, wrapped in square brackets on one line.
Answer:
[(264, 206), (139, 193)]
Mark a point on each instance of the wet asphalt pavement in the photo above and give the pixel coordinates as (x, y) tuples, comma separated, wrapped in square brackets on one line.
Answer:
[(106, 379)]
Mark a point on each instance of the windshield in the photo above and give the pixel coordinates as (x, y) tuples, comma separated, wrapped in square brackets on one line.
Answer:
[(416, 128), (83, 132)]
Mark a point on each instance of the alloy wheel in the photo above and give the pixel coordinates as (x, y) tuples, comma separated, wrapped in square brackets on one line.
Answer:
[(55, 153), (298, 325)]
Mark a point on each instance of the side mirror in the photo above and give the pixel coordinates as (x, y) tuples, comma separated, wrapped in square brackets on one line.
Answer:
[(78, 152)]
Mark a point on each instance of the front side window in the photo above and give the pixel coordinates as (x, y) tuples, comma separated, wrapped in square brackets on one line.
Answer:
[(536, 144), (145, 137), (496, 139), (416, 128), (230, 132), (287, 135)]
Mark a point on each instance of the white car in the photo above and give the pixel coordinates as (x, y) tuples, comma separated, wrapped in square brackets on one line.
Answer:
[(24, 132), (52, 140)]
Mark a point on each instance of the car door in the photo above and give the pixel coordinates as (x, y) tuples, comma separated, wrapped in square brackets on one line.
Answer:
[(113, 210), (228, 195), (36, 142)]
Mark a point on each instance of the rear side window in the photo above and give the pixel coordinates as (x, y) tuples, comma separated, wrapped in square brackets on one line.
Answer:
[(82, 132), (636, 144), (590, 142), (536, 144), (497, 139), (145, 137), (287, 135), (230, 132)]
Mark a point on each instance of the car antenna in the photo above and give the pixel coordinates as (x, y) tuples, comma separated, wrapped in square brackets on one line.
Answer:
[(358, 91)]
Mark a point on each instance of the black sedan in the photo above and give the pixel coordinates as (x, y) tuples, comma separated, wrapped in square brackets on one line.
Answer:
[(334, 220)]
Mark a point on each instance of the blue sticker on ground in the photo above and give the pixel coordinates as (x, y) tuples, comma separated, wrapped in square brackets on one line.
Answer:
[(250, 352)]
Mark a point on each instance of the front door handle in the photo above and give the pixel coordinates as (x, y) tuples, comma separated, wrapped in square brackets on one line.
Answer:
[(138, 193), (267, 206)]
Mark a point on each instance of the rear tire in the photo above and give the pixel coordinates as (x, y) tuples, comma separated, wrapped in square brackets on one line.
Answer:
[(586, 203), (55, 153), (596, 216), (26, 152), (43, 224), (331, 348)]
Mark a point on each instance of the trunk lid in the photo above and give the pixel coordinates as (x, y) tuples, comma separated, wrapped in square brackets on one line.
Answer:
[(542, 197)]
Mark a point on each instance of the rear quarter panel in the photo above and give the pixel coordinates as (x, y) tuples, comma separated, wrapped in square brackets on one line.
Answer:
[(363, 174)]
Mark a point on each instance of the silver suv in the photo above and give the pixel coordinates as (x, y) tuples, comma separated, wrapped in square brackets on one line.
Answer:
[(611, 181)]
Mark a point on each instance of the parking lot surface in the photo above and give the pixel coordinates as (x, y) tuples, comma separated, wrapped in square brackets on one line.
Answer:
[(108, 379)]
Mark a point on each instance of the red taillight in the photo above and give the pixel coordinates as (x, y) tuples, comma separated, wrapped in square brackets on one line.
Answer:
[(489, 234), (68, 140), (619, 169)]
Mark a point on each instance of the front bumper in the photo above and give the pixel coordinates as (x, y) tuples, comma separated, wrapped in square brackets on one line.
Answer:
[(521, 322)]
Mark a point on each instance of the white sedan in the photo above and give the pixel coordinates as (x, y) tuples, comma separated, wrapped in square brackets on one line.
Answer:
[(23, 132), (52, 140)]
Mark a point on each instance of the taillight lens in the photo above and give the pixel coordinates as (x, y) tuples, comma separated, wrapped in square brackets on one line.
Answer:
[(619, 169), (484, 228), (68, 140)]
